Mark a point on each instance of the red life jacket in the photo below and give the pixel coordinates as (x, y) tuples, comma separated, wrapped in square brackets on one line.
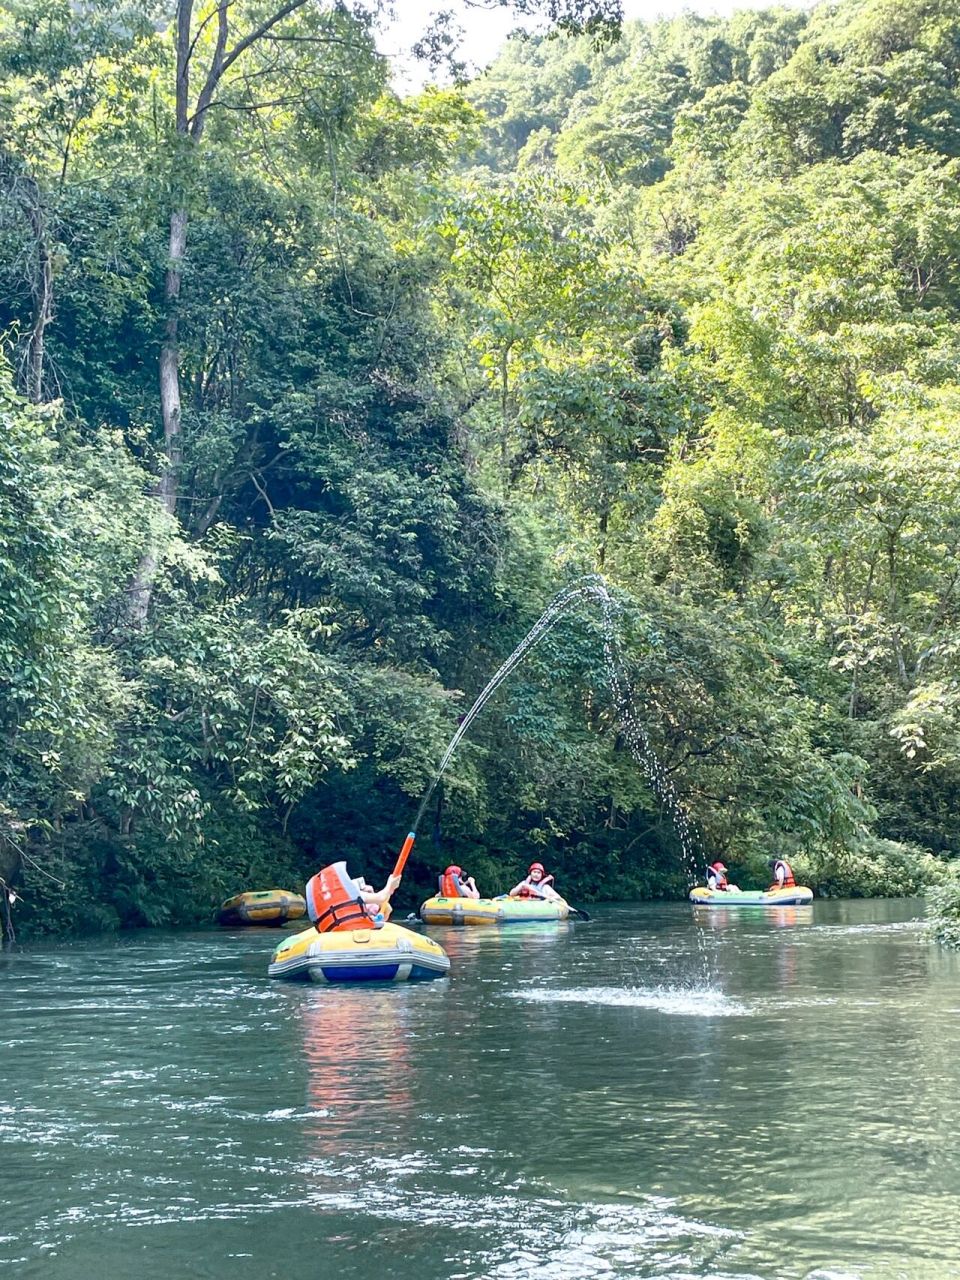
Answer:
[(530, 890), (334, 901), (788, 880), (450, 886), (720, 879)]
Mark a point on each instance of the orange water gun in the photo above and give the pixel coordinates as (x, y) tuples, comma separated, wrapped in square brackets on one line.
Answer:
[(404, 854)]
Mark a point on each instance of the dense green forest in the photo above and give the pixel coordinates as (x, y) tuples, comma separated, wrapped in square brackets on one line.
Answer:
[(313, 396)]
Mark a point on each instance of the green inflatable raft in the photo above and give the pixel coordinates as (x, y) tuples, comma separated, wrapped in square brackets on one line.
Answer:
[(796, 896)]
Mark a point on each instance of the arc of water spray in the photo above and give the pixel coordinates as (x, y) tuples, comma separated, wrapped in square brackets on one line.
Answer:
[(592, 586)]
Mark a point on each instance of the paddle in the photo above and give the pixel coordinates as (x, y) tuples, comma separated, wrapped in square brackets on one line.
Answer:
[(577, 911)]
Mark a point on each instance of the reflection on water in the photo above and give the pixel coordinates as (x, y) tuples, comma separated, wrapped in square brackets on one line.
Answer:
[(756, 1096), (334, 1024), (721, 917)]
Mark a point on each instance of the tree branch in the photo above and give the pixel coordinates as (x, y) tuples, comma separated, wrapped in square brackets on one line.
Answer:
[(184, 48), (252, 107), (263, 494), (214, 74), (202, 27), (253, 36)]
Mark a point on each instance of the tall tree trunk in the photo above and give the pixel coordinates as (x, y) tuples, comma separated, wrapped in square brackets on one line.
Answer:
[(189, 129), (602, 546), (170, 366), (893, 606), (140, 591), (42, 289), (24, 191), (505, 413), (10, 867)]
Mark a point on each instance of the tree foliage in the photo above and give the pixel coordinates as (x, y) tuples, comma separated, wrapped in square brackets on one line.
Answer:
[(679, 307)]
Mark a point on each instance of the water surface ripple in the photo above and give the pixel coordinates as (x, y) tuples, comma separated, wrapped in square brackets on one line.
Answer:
[(655, 1094)]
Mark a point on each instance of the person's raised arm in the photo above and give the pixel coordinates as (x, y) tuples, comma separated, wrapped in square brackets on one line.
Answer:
[(384, 894)]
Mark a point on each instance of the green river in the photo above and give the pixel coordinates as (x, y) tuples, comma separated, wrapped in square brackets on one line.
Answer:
[(646, 1095)]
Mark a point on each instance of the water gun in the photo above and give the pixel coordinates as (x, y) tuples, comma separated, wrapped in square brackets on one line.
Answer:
[(404, 854)]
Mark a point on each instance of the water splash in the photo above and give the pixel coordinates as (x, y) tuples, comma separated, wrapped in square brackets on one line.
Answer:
[(591, 588), (696, 1002)]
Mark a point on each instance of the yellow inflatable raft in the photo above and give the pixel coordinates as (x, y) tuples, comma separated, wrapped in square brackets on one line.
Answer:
[(492, 910), (268, 906), (797, 896), (388, 954)]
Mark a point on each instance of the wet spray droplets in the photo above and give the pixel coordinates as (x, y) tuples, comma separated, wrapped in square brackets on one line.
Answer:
[(591, 588)]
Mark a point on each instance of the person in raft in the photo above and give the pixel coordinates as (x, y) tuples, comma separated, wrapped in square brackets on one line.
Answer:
[(782, 874), (717, 881), (335, 901), (454, 884), (537, 884)]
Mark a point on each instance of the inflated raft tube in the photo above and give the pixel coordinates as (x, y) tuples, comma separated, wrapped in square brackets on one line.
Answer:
[(798, 896), (492, 910), (388, 954), (268, 906)]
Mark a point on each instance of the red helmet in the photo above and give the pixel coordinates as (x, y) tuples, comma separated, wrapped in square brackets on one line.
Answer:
[(453, 871), (535, 866), (717, 866)]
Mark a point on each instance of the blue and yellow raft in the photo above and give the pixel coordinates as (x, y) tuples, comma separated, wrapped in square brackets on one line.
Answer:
[(438, 910), (388, 954), (797, 896)]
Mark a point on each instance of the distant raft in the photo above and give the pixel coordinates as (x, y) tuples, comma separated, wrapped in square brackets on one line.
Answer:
[(388, 954), (504, 910), (268, 906), (796, 896)]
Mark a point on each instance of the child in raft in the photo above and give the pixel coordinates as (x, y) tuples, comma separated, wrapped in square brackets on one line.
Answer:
[(537, 884), (717, 881), (454, 884)]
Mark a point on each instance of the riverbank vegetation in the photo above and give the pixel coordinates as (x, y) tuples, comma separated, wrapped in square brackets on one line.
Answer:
[(313, 396)]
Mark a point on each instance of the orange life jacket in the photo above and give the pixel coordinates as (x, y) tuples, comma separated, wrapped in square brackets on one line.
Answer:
[(788, 880), (450, 886), (334, 901), (719, 877)]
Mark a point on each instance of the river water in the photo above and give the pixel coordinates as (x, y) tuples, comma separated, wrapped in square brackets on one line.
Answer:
[(646, 1095)]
